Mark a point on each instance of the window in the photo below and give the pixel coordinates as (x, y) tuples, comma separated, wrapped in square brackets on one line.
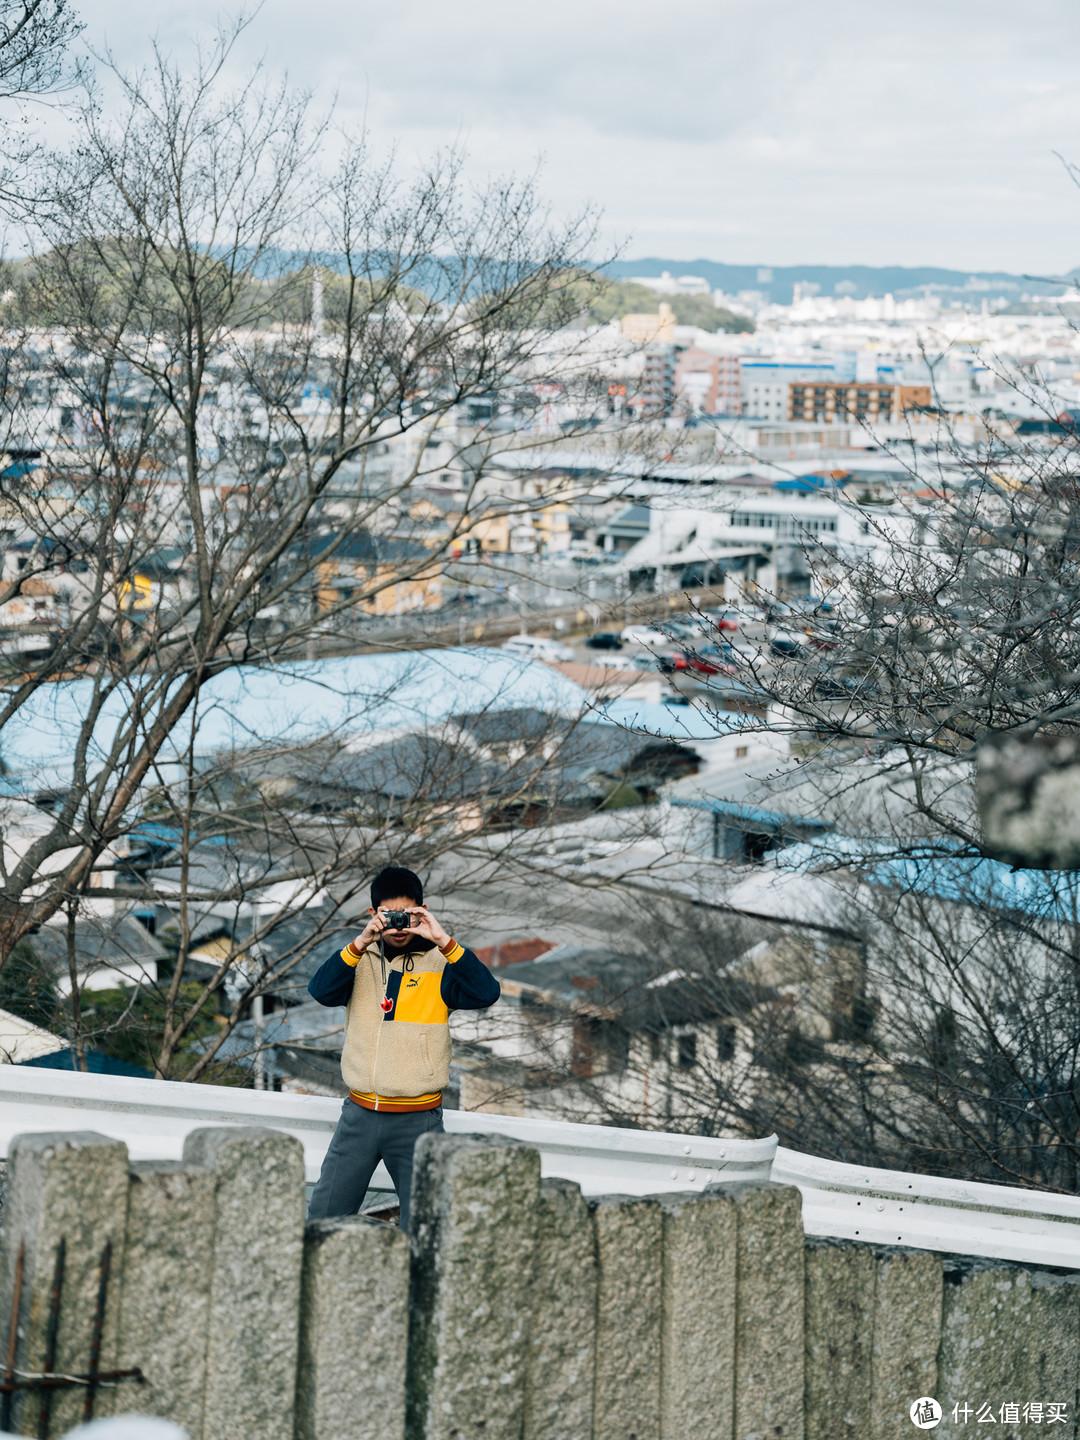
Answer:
[(687, 1051), (598, 1047), (741, 752)]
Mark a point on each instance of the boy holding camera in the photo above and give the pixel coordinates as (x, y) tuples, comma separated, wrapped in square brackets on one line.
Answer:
[(399, 979)]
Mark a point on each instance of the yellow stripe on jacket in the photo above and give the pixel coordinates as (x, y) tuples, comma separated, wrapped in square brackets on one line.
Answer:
[(396, 1104)]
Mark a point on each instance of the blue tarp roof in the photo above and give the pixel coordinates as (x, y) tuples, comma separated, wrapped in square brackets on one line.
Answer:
[(288, 704), (673, 722), (96, 1063), (808, 484), (754, 815), (933, 870)]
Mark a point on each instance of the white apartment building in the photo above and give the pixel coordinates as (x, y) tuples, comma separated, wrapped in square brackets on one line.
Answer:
[(757, 538), (765, 384), (668, 284)]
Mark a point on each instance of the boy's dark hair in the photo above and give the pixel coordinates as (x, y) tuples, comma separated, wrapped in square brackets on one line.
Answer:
[(393, 882)]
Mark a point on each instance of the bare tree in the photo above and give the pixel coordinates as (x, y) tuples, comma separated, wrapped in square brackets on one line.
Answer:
[(35, 37), (951, 624), (248, 353)]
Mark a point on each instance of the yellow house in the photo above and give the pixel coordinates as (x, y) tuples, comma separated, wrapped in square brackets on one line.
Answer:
[(552, 526), (489, 533), (337, 581)]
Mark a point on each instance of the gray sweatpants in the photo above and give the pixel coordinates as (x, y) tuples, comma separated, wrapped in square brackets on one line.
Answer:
[(361, 1140)]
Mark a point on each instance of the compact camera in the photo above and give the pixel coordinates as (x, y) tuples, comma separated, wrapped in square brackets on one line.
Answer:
[(399, 919)]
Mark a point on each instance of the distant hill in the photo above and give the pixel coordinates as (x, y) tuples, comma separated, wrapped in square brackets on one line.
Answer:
[(860, 281)]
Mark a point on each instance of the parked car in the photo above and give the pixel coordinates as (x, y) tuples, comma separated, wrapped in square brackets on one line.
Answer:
[(646, 660), (537, 647), (604, 640), (709, 660), (785, 641), (725, 620), (643, 635)]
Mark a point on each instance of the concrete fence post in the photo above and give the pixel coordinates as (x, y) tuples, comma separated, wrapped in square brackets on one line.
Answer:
[(562, 1325), (769, 1358), (1054, 1345), (907, 1337), (629, 1250), (475, 1210), (65, 1207), (354, 1330), (165, 1304), (839, 1331), (697, 1352), (254, 1317), (985, 1320)]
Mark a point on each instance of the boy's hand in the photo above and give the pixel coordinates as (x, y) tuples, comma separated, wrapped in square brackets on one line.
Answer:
[(424, 923), (371, 931)]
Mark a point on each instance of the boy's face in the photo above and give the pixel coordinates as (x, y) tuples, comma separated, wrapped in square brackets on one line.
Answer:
[(396, 938)]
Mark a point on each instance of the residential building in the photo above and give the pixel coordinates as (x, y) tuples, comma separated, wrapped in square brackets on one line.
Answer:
[(708, 384), (765, 385), (823, 400), (650, 329), (667, 284), (363, 562), (658, 381)]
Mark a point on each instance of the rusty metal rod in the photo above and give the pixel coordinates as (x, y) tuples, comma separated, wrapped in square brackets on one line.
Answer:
[(59, 1382), (45, 1408), (99, 1327)]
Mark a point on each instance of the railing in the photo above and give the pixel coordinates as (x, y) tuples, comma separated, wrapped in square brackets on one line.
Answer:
[(961, 1217), (846, 1201), (153, 1118)]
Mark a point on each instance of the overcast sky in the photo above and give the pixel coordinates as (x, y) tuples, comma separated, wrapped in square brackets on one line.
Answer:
[(749, 131)]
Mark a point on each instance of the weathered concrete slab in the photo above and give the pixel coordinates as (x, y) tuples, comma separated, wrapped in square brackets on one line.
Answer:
[(697, 1353), (1053, 1345), (630, 1257), (254, 1322), (769, 1359), (165, 1302), (906, 1337), (354, 1328), (65, 1193), (985, 1319), (839, 1328), (562, 1327), (473, 1224)]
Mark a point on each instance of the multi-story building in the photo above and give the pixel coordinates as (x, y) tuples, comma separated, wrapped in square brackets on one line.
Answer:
[(668, 284), (707, 384), (650, 329), (765, 385), (658, 381), (824, 400)]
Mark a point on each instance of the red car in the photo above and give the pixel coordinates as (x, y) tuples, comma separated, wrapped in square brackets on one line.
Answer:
[(709, 660), (725, 620)]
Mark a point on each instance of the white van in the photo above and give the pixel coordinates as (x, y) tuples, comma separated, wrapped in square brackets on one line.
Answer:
[(537, 647)]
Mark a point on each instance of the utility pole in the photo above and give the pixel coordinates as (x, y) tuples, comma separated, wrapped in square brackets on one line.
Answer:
[(260, 1032)]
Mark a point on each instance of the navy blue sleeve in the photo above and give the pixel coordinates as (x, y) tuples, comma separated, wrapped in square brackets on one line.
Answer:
[(468, 984), (332, 983)]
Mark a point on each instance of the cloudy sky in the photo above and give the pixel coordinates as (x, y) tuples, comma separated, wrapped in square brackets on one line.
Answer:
[(751, 131)]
